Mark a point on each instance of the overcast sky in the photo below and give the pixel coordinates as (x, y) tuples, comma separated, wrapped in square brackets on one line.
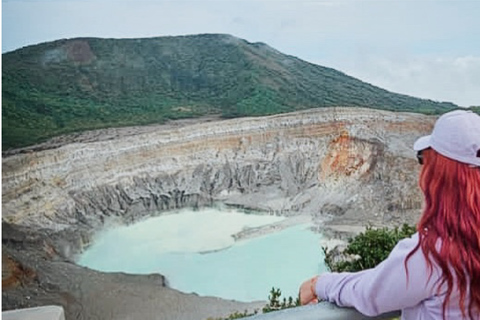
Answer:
[(424, 48)]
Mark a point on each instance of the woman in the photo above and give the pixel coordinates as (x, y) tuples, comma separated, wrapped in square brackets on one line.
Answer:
[(436, 273)]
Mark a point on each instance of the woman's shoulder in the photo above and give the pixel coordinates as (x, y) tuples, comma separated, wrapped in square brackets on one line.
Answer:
[(409, 250), (407, 244)]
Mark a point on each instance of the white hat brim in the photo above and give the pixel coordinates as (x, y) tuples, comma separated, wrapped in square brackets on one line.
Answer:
[(422, 143)]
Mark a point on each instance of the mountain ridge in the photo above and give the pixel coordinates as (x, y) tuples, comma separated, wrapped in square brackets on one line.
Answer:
[(78, 84)]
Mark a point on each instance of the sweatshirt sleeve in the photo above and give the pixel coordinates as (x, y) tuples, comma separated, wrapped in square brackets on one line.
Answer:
[(384, 288)]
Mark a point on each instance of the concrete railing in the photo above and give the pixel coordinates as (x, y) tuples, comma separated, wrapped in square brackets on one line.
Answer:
[(321, 311), (38, 313)]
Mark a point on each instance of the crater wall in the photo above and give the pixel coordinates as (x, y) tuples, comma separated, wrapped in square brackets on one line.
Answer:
[(353, 165)]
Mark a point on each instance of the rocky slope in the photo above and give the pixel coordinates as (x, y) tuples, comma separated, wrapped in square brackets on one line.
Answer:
[(348, 166)]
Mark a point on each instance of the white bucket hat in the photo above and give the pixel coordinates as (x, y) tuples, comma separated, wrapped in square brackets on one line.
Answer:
[(456, 135)]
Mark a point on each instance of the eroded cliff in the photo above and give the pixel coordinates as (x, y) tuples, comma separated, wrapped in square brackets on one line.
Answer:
[(352, 163)]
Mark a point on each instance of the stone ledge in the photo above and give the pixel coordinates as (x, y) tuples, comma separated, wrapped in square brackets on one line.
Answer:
[(321, 311), (38, 313)]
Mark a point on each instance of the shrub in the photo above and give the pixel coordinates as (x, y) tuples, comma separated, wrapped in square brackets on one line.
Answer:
[(275, 304), (370, 248)]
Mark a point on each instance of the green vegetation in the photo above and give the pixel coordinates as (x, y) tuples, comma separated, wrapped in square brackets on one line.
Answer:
[(275, 303), (371, 247), (475, 109), (74, 85), (236, 315)]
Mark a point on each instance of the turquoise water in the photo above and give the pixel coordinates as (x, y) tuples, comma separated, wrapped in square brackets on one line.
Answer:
[(196, 253)]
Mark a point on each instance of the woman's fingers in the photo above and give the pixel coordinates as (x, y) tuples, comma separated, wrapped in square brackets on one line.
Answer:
[(307, 292)]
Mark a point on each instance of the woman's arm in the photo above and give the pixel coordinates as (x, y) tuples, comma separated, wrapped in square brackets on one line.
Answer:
[(384, 288)]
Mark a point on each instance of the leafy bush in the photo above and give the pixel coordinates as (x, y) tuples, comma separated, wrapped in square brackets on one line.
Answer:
[(370, 248)]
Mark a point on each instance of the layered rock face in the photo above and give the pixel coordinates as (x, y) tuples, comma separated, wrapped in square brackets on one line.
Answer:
[(355, 165)]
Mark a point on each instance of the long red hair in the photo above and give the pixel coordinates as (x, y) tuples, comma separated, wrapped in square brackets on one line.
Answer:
[(452, 214)]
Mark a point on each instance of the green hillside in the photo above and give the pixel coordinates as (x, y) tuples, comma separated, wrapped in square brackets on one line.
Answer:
[(86, 83)]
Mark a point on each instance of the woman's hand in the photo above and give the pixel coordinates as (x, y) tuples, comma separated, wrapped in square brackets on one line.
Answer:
[(307, 292)]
